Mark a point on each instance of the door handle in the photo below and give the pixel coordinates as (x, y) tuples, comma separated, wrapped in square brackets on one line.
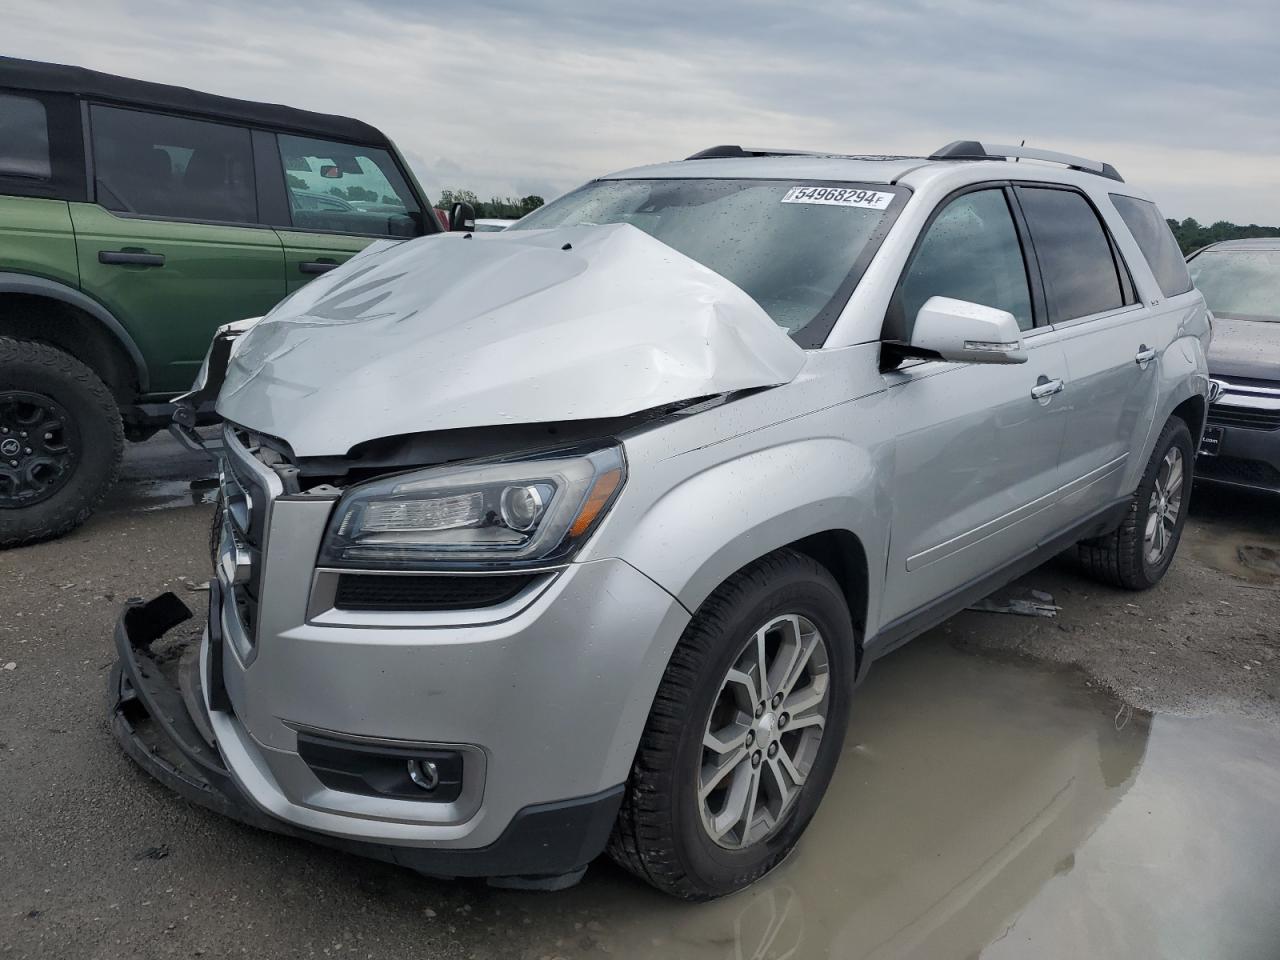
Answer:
[(317, 266), (138, 258), (1144, 356), (1046, 388)]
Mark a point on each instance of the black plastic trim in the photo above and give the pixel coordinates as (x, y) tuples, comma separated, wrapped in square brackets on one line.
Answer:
[(423, 592), (897, 632)]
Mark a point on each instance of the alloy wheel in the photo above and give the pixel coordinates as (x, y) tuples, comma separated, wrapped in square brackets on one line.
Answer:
[(1165, 506), (762, 736)]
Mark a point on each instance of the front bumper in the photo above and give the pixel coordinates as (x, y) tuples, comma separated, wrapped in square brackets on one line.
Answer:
[(542, 845), (1241, 445)]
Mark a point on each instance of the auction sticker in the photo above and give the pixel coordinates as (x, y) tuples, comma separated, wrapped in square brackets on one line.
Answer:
[(839, 197)]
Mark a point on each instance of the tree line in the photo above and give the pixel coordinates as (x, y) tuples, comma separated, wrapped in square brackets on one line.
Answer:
[(1192, 235), (497, 208)]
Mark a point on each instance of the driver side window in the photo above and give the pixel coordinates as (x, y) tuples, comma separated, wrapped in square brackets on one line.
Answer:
[(969, 252)]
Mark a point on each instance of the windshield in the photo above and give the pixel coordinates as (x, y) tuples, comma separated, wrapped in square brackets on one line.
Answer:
[(1239, 284), (797, 249)]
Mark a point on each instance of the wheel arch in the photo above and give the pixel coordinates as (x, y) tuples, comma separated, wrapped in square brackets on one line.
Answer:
[(823, 496), (1193, 411), (843, 555), (36, 308)]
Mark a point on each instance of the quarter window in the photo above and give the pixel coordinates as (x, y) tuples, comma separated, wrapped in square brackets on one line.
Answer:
[(160, 166), (970, 252), (346, 189), (1077, 263), (1156, 242), (24, 139)]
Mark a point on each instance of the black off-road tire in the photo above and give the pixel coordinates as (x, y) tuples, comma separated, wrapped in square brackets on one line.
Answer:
[(38, 368), (1120, 558), (658, 835)]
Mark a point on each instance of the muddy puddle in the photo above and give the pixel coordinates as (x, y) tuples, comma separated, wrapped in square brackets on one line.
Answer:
[(983, 807), (160, 474), (1236, 532)]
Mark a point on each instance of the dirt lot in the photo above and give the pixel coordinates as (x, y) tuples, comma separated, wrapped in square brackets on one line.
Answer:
[(1101, 783)]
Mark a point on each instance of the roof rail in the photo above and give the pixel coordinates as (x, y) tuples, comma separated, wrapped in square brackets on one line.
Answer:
[(973, 150), (733, 150)]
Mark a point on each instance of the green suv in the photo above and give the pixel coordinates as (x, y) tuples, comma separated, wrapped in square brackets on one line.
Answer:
[(136, 218)]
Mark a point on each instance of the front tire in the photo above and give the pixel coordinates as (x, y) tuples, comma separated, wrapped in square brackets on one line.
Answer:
[(730, 769), (1137, 554), (61, 442)]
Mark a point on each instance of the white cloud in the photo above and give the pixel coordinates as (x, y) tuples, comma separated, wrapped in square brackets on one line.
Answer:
[(510, 98)]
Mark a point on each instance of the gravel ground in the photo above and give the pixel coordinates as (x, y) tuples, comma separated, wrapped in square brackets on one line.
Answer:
[(96, 860), (1205, 641)]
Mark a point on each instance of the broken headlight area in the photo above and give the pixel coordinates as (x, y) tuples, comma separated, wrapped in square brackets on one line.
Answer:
[(508, 512)]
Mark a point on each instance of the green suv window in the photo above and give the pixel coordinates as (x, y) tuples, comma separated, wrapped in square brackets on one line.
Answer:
[(24, 138), (163, 166), (346, 189)]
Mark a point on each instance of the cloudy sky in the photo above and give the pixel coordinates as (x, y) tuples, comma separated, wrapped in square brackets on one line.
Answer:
[(508, 97)]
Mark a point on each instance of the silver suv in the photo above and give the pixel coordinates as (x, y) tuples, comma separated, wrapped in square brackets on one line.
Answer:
[(581, 535)]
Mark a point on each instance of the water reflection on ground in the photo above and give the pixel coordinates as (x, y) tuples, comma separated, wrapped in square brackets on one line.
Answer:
[(986, 808)]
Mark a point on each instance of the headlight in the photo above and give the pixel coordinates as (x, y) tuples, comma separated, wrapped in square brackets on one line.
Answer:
[(533, 510)]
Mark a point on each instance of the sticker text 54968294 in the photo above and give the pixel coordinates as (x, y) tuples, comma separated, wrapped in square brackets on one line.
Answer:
[(839, 197)]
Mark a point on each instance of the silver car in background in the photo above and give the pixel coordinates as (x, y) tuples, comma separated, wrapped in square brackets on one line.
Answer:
[(1240, 280), (580, 535)]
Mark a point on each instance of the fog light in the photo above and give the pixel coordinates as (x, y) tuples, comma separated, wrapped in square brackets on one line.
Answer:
[(424, 774)]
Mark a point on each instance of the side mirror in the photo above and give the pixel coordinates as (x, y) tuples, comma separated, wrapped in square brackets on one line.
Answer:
[(462, 216), (967, 332)]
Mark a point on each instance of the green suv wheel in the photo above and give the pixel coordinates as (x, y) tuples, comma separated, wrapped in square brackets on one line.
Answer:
[(60, 442)]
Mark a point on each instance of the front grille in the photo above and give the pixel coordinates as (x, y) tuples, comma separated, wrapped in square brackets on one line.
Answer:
[(1224, 415), (1252, 473), (248, 519), (367, 591)]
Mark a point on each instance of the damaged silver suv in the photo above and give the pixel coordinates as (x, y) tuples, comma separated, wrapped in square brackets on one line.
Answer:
[(579, 536)]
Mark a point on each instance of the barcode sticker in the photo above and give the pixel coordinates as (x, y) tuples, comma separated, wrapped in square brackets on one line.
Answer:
[(839, 197)]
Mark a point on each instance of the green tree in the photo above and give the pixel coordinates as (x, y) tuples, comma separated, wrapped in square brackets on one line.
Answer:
[(1192, 235)]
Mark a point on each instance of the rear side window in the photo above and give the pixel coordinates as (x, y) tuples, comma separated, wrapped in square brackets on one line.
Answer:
[(344, 188), (1077, 263), (970, 252), (24, 139), (1156, 242), (155, 165)]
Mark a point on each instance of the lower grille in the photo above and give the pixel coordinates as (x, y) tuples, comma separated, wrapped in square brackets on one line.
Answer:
[(1251, 473), (1228, 416), (365, 591)]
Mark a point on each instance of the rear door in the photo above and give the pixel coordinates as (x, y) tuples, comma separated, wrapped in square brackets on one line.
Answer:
[(337, 198), (172, 245), (976, 461), (1106, 333)]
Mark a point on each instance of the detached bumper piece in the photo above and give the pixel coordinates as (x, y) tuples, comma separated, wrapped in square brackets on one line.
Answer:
[(546, 846)]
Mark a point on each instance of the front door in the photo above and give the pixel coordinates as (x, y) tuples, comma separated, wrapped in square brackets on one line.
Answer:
[(172, 246), (976, 462)]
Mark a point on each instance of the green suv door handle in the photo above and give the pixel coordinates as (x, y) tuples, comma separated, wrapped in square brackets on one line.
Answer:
[(138, 258), (317, 266)]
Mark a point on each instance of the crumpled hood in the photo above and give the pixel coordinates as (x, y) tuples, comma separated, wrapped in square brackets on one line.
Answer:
[(514, 327), (1245, 348)]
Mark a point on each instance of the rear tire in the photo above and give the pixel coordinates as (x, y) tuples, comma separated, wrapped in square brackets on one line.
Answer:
[(666, 832), (1126, 557), (55, 473)]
